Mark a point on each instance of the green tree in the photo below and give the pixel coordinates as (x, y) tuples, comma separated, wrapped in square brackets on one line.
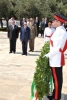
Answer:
[(4, 11), (32, 8)]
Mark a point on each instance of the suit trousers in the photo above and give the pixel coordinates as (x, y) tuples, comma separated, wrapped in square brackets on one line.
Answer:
[(42, 32), (57, 80), (12, 45), (24, 47), (31, 44)]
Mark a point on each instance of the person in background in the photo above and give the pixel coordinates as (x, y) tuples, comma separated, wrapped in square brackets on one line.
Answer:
[(33, 34), (13, 32), (65, 25), (46, 22), (42, 26), (37, 24), (28, 21), (10, 21), (24, 37), (48, 31), (58, 45), (22, 22)]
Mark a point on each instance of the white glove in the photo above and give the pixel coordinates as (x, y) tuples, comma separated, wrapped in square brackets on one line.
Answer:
[(46, 55)]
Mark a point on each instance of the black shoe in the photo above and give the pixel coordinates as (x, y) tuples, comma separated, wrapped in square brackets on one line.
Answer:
[(30, 50), (14, 52), (22, 53), (50, 97), (10, 52), (26, 54)]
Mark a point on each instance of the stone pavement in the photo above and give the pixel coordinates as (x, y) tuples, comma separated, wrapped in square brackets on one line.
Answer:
[(16, 70)]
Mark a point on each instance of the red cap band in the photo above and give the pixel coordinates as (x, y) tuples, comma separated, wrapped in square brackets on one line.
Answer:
[(58, 18)]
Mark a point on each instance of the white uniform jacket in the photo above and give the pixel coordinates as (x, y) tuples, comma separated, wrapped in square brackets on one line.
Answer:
[(47, 33), (58, 44)]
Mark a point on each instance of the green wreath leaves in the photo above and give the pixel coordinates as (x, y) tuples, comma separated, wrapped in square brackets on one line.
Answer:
[(42, 73)]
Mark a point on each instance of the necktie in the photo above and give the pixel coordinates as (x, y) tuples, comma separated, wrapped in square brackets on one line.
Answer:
[(24, 29)]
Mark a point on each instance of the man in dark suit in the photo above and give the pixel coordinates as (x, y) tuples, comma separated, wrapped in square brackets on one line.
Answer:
[(37, 24), (24, 37), (46, 22), (42, 26), (13, 33)]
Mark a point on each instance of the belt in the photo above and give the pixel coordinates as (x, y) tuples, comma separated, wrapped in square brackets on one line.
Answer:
[(47, 36)]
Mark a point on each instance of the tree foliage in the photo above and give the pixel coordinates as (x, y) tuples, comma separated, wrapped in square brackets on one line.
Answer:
[(3, 8), (32, 8)]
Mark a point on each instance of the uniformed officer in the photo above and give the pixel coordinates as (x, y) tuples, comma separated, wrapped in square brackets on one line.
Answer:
[(58, 45)]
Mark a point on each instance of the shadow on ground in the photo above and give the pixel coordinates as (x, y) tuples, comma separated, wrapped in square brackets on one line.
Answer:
[(33, 54), (18, 52), (28, 54), (64, 97), (37, 51)]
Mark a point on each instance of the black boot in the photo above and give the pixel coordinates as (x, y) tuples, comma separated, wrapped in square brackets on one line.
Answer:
[(50, 97)]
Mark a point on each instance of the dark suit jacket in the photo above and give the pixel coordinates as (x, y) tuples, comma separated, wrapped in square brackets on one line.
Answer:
[(46, 25), (43, 25), (25, 34), (37, 24), (13, 33)]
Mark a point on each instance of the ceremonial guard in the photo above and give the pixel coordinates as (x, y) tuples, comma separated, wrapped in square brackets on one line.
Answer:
[(58, 45)]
